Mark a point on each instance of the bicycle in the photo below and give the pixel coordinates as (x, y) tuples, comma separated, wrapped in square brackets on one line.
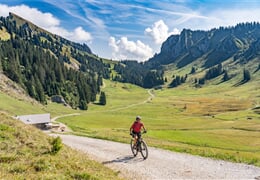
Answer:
[(139, 145)]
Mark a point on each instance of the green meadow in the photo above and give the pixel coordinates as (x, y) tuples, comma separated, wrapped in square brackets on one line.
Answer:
[(217, 121)]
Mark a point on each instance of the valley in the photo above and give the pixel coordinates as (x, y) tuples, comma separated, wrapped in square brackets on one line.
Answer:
[(194, 121), (198, 96)]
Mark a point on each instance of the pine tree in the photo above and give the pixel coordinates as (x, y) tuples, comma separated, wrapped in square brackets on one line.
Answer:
[(225, 77), (102, 99), (83, 105), (39, 91), (258, 68), (201, 81), (193, 70), (246, 75)]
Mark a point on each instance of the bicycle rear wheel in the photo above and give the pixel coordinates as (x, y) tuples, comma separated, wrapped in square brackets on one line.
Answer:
[(133, 147), (144, 150)]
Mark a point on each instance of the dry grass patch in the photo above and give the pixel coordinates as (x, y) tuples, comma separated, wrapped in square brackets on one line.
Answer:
[(212, 106), (27, 153), (4, 35)]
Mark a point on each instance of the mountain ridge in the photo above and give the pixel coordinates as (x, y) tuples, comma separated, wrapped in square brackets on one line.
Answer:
[(38, 30), (43, 64), (216, 45), (197, 53)]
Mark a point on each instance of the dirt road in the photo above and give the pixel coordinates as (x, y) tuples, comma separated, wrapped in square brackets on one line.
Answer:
[(161, 164)]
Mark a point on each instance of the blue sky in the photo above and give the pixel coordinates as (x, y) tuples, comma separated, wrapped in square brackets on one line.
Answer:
[(130, 29)]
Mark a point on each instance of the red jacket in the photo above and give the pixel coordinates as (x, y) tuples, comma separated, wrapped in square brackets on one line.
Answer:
[(137, 126)]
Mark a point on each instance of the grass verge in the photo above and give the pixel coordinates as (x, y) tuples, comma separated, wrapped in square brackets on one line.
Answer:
[(184, 119), (28, 153)]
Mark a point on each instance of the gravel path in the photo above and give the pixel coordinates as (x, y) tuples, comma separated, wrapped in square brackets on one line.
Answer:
[(161, 164)]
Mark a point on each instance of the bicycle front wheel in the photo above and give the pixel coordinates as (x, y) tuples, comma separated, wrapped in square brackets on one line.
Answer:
[(144, 150), (133, 147)]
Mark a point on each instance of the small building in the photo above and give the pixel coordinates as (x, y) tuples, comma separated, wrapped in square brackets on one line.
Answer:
[(41, 121)]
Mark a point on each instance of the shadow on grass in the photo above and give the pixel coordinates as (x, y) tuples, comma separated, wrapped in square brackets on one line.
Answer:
[(240, 83), (124, 159), (98, 103)]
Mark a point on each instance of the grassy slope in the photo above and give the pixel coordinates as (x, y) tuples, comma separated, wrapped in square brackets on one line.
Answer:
[(4, 35), (210, 121), (21, 107), (24, 150)]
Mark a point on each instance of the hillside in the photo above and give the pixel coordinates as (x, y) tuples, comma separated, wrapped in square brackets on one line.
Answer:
[(192, 52), (195, 57), (8, 87), (198, 54), (28, 153), (212, 47), (205, 104), (46, 65)]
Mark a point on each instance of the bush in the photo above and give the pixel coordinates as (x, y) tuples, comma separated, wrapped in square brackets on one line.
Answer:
[(83, 176), (56, 145)]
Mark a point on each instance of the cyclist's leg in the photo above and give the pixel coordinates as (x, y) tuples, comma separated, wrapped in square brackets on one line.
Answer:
[(139, 136), (139, 140), (135, 136)]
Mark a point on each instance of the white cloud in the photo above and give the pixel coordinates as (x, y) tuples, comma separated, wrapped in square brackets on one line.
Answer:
[(160, 31), (113, 44), (231, 17), (206, 20), (125, 49), (79, 34), (46, 21)]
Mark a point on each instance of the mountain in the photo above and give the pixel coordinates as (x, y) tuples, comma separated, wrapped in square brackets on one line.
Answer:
[(226, 52), (47, 65), (214, 46)]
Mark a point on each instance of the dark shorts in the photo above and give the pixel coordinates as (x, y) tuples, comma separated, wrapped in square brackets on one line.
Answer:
[(136, 133)]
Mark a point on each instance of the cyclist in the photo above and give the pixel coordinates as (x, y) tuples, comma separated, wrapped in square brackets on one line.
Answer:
[(135, 129)]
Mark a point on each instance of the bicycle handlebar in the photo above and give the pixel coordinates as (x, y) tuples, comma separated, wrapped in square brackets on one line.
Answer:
[(142, 132)]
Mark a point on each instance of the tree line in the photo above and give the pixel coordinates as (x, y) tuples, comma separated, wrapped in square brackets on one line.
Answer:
[(137, 73), (218, 70), (36, 61), (43, 75)]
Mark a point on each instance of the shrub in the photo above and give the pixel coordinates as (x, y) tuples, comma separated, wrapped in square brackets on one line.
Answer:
[(56, 145), (83, 176)]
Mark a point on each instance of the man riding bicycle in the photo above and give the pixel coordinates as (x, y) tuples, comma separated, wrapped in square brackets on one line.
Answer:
[(137, 143), (135, 129)]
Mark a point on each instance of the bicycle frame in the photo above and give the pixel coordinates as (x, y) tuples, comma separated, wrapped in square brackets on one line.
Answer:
[(139, 145)]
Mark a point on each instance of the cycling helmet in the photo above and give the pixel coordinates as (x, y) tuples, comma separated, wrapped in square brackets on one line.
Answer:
[(138, 117)]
